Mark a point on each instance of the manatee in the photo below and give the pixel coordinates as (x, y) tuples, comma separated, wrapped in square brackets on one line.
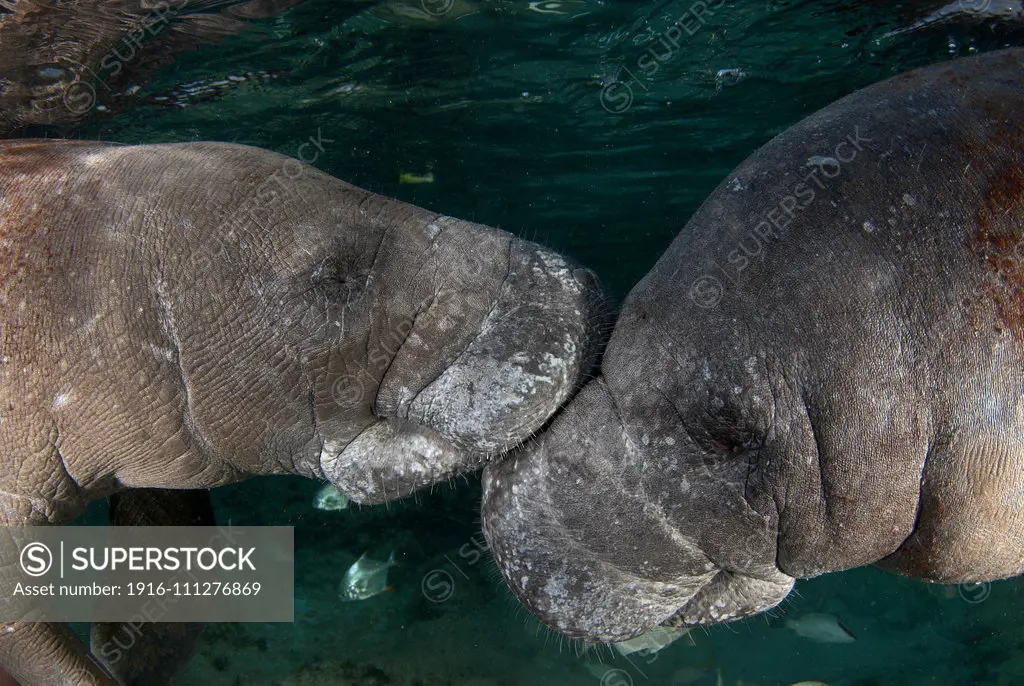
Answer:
[(60, 62), (824, 370), (188, 315)]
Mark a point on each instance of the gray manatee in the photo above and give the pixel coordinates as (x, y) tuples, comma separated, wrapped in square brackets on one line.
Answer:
[(824, 370), (185, 316), (59, 61)]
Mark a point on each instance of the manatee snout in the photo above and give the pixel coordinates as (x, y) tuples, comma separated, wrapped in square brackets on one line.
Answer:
[(500, 334), (569, 529), (602, 526), (532, 346)]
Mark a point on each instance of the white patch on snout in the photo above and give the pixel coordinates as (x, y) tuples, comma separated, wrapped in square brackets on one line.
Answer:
[(421, 456), (473, 398), (555, 587), (554, 263), (386, 456), (61, 399)]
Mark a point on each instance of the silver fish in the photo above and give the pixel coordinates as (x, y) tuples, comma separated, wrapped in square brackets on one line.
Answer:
[(650, 642), (330, 498), (821, 628), (365, 578)]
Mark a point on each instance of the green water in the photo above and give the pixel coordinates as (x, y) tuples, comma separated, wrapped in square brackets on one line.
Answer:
[(502, 103)]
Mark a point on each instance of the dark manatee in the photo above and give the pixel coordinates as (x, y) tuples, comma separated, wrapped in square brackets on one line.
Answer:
[(60, 60), (151, 653), (824, 370), (185, 316)]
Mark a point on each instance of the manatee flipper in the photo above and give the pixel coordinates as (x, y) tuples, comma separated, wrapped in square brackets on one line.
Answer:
[(151, 654), (48, 653)]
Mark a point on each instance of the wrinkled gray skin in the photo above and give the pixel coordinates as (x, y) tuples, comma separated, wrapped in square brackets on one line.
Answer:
[(186, 316), (778, 403)]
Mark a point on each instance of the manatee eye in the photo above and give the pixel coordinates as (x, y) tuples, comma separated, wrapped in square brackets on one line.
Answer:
[(726, 428), (338, 282)]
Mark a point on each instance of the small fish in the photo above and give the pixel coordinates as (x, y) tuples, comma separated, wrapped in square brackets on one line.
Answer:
[(330, 498), (410, 177), (650, 642), (821, 628), (809, 683), (729, 77), (366, 578), (547, 7), (564, 7)]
